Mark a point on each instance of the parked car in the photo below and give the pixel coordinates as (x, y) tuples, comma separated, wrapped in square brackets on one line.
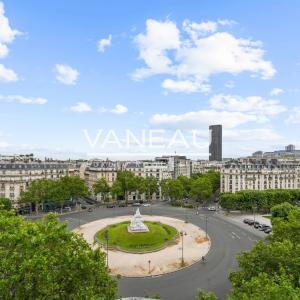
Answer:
[(136, 204), (122, 205), (146, 204), (268, 230), (212, 208), (90, 209), (250, 222), (256, 225), (110, 205), (263, 226), (246, 221)]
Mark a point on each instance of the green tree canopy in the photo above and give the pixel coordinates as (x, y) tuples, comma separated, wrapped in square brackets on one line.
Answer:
[(5, 203), (43, 260), (101, 186), (151, 186), (201, 189), (202, 295), (282, 210)]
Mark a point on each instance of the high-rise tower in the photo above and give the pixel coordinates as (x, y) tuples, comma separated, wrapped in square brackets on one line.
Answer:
[(215, 143)]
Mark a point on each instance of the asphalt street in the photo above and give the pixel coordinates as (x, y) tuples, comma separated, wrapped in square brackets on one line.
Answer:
[(227, 240)]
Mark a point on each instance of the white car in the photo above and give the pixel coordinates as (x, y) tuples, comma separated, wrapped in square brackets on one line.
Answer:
[(212, 208), (146, 204)]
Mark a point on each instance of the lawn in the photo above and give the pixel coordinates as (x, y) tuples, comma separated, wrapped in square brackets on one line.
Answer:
[(159, 236)]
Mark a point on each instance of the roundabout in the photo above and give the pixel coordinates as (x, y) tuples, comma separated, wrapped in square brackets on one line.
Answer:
[(170, 244), (227, 239)]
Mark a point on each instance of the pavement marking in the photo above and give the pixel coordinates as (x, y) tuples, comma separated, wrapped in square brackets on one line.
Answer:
[(235, 235)]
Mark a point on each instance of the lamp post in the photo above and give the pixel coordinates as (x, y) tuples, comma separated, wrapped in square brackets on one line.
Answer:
[(182, 234), (206, 218), (149, 262), (106, 237)]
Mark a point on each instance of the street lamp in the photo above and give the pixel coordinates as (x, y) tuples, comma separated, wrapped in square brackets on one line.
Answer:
[(182, 234), (149, 262), (106, 237), (206, 218)]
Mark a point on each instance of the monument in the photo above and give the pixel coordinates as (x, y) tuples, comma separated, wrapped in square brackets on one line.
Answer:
[(136, 224)]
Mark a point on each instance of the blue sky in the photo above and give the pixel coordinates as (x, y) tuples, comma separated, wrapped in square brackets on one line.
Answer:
[(66, 66)]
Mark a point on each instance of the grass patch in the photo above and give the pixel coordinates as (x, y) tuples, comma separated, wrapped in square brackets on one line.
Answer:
[(267, 217), (159, 236)]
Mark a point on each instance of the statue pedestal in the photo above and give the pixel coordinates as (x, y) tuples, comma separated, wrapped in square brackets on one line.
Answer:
[(136, 224)]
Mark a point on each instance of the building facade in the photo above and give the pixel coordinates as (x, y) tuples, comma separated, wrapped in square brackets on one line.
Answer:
[(98, 169), (15, 177), (260, 174)]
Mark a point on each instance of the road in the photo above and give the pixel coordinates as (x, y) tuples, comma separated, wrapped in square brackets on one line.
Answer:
[(227, 240)]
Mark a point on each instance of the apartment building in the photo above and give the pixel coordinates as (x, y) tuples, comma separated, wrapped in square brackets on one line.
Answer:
[(177, 165), (15, 177), (204, 166), (98, 169), (260, 174)]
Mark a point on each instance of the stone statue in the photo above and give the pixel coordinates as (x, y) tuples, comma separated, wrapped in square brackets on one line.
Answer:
[(136, 224)]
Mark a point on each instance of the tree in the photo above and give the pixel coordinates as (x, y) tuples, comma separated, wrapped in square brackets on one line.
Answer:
[(43, 260), (5, 203), (37, 193), (282, 210), (101, 187), (74, 186), (202, 295), (151, 186), (201, 189), (186, 183), (126, 182), (271, 269), (175, 190)]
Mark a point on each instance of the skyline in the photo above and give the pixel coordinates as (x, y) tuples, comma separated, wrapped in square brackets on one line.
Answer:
[(144, 66)]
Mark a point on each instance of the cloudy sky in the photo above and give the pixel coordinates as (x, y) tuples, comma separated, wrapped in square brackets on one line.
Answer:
[(74, 72)]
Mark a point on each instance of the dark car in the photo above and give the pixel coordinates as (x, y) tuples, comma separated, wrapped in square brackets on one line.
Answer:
[(256, 225), (268, 230), (111, 205), (251, 222), (246, 221), (122, 205), (90, 209), (263, 226)]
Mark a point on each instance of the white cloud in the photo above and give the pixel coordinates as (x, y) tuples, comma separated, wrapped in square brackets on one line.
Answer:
[(66, 74), (23, 100), (81, 107), (7, 75), (118, 109), (204, 118), (230, 111), (195, 58), (195, 30), (104, 43), (255, 134), (153, 46), (185, 86), (7, 34), (276, 91), (294, 117), (251, 104)]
